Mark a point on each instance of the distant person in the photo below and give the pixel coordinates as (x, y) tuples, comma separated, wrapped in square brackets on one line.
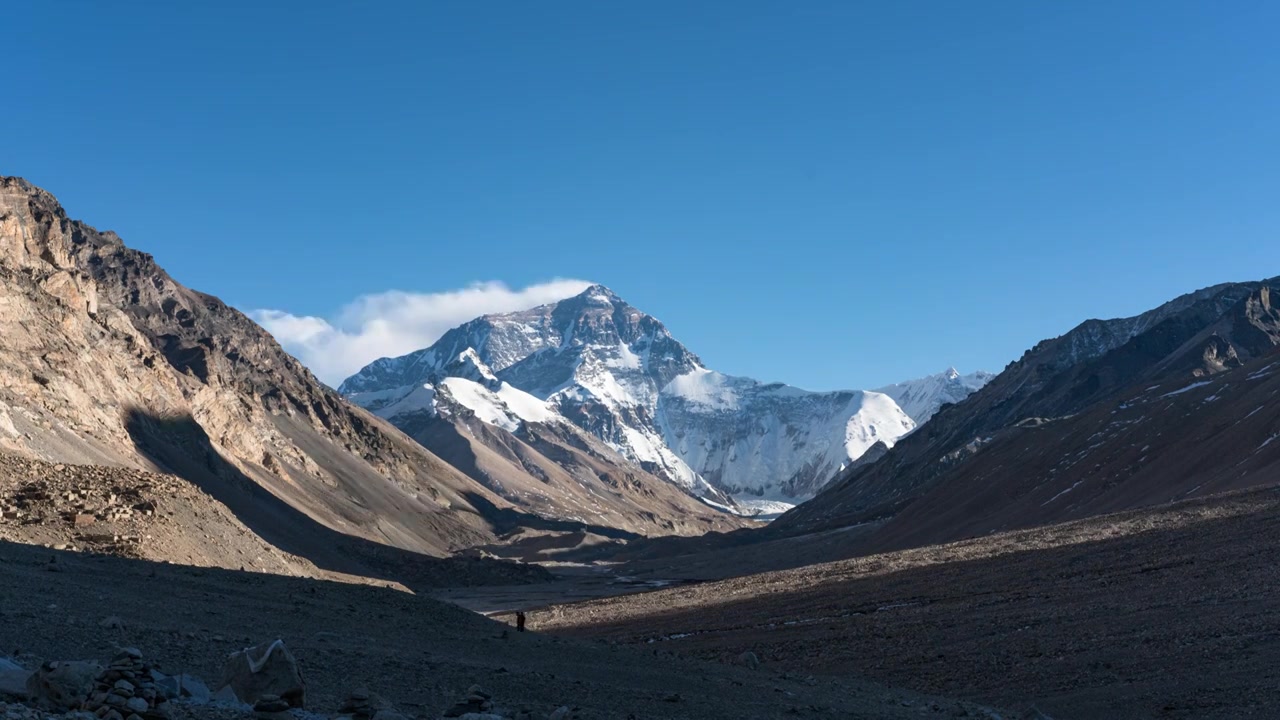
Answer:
[(519, 621)]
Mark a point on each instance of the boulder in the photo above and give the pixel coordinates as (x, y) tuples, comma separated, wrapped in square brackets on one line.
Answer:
[(13, 679), (62, 686), (178, 687), (262, 670)]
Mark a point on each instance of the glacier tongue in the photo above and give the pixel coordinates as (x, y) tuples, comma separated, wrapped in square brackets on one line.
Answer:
[(597, 362)]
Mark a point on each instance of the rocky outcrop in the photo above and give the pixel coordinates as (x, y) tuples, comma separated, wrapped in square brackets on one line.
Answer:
[(62, 685), (106, 360), (265, 671), (1113, 415)]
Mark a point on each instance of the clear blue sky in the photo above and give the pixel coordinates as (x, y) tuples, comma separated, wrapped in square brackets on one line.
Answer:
[(835, 194)]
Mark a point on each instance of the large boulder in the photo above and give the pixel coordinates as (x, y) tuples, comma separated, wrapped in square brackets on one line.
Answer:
[(62, 685), (263, 670), (182, 687), (13, 679)]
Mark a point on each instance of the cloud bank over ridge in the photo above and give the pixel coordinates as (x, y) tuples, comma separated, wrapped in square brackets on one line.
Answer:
[(393, 323)]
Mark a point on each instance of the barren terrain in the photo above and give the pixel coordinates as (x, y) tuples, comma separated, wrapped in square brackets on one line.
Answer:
[(416, 652), (1168, 612)]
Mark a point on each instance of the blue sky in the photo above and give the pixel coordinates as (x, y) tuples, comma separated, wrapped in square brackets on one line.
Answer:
[(831, 194)]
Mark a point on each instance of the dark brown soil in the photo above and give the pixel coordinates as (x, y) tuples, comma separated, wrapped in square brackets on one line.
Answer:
[(417, 652), (1164, 613)]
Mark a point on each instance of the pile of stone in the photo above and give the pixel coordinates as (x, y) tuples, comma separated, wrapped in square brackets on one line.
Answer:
[(24, 501), (127, 690), (271, 707), (360, 705), (363, 705), (475, 702), (81, 495)]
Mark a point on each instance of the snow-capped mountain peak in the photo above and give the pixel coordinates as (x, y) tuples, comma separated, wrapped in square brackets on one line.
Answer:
[(921, 398), (599, 363)]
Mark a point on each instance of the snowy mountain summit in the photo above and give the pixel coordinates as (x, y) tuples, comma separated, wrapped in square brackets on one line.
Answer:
[(923, 397), (601, 365)]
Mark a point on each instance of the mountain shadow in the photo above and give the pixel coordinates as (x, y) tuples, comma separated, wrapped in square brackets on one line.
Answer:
[(179, 445)]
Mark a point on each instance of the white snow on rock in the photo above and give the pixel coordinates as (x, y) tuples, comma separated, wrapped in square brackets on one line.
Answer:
[(923, 397), (598, 363)]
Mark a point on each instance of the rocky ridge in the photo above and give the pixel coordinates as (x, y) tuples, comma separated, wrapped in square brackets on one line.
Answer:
[(1112, 415), (105, 360)]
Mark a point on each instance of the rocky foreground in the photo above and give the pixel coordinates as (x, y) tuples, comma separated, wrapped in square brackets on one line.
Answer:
[(166, 518), (360, 650)]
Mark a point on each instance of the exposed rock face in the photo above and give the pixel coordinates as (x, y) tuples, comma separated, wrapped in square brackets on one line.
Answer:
[(1114, 414), (105, 359), (265, 670), (62, 685), (598, 364)]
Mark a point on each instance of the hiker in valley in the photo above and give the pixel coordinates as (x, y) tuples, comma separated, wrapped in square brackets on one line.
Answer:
[(520, 620)]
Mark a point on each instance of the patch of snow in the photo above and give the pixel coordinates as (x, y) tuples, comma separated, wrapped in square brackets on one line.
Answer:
[(704, 387), (1188, 388), (1064, 492), (625, 359), (526, 406)]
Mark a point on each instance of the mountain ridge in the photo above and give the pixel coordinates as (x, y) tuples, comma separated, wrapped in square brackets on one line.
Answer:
[(977, 465), (617, 373), (107, 360)]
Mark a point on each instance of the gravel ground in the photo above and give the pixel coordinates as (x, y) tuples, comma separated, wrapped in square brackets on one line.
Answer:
[(1165, 613), (416, 652)]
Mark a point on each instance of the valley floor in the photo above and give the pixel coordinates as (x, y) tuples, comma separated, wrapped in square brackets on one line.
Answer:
[(1169, 612), (419, 653)]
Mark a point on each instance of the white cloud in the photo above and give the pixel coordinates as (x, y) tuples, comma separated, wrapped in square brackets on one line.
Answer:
[(394, 323)]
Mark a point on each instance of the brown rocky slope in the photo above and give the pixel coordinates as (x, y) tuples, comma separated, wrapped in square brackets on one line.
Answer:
[(1113, 415), (106, 360)]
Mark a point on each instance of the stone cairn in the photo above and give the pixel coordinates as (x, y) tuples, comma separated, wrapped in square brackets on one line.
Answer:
[(271, 707), (127, 690), (359, 705), (475, 701)]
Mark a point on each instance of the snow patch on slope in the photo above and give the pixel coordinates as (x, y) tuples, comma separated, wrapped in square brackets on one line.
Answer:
[(704, 387)]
